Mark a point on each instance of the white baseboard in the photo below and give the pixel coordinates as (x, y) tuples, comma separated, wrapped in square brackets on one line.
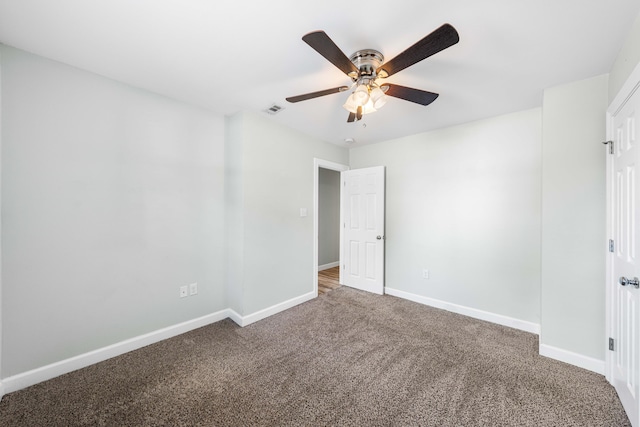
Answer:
[(233, 315), (328, 266), (579, 360), (511, 322), (269, 311), (35, 376), (29, 378)]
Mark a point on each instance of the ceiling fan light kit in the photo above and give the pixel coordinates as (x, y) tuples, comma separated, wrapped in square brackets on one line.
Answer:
[(366, 67), (368, 96)]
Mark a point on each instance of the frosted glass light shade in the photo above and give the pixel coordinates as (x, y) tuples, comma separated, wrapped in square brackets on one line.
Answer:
[(369, 107), (378, 98), (361, 95), (351, 105)]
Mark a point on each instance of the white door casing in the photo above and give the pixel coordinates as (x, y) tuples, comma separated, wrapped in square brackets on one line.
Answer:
[(623, 306), (363, 192)]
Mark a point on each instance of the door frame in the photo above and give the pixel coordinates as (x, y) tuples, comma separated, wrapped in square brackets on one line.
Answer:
[(631, 85), (1, 289), (338, 167)]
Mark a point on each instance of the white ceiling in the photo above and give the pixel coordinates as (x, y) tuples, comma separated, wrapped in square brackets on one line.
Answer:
[(231, 55)]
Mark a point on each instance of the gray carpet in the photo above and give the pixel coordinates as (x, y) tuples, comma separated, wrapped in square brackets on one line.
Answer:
[(347, 358)]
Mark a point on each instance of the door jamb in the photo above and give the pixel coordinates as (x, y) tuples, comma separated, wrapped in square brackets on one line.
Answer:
[(631, 85), (2, 389), (324, 164)]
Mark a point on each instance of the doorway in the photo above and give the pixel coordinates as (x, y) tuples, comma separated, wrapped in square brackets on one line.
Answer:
[(328, 230), (327, 217)]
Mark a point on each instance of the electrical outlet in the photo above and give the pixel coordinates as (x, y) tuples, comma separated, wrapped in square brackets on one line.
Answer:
[(183, 291), (425, 274), (193, 288)]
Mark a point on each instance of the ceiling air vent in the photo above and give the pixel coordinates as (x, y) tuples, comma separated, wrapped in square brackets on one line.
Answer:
[(274, 109)]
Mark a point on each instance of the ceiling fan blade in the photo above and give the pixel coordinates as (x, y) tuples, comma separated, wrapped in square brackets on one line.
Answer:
[(320, 41), (438, 40), (359, 113), (351, 118), (317, 94), (418, 96)]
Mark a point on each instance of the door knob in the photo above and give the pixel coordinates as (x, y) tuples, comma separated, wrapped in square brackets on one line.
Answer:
[(635, 282), (379, 237)]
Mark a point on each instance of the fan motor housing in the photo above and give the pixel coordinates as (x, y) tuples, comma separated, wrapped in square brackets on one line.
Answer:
[(368, 61)]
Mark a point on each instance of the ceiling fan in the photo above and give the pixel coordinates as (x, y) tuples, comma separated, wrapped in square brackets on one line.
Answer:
[(367, 67)]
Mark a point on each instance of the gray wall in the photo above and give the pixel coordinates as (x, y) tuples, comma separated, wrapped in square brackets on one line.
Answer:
[(464, 202), (574, 238), (112, 198), (573, 217), (234, 214), (328, 216), (277, 170)]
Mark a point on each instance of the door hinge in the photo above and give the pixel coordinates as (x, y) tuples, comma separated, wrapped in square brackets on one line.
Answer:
[(611, 245), (611, 344), (610, 144)]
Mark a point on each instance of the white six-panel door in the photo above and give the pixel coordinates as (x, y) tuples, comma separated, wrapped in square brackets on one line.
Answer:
[(625, 221), (363, 238)]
